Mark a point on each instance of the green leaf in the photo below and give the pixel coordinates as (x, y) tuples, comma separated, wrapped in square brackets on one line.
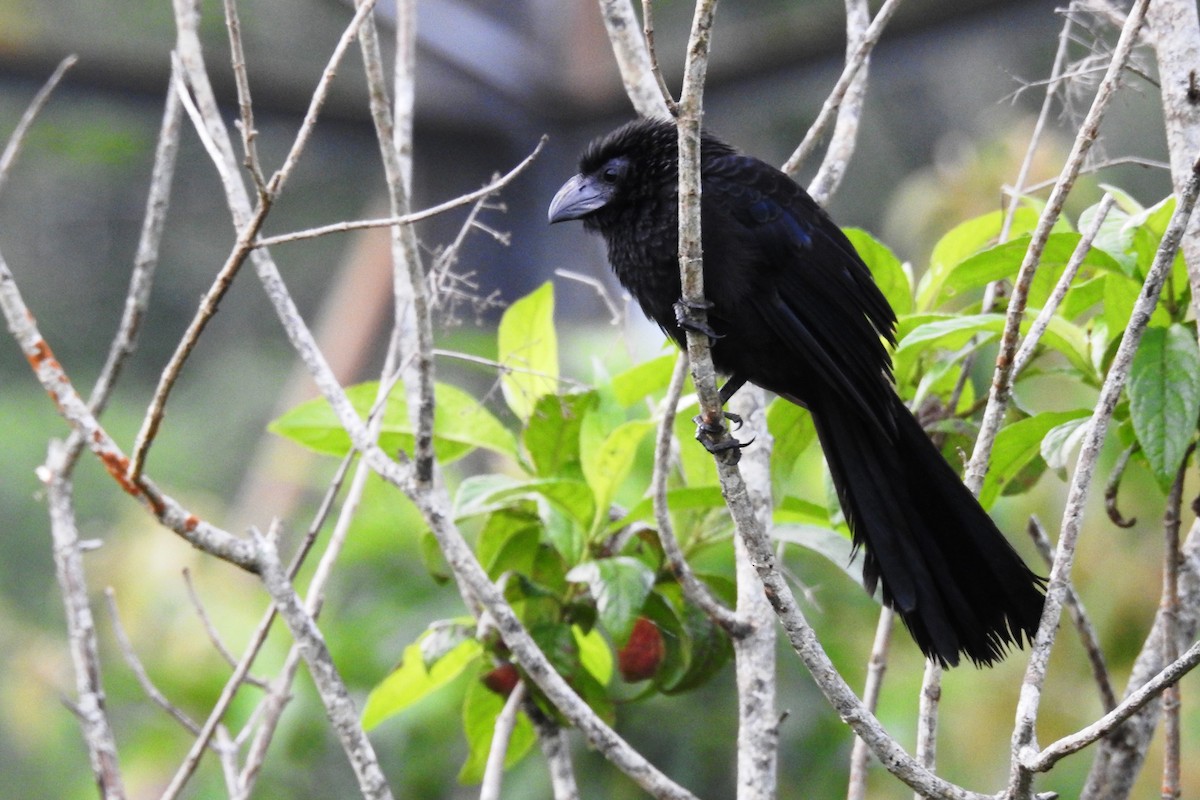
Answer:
[(684, 499), (552, 435), (889, 274), (825, 542), (594, 654), (706, 646), (528, 347), (794, 432), (953, 332), (1061, 440), (606, 464), (1120, 296), (460, 424), (413, 680), (962, 241), (1164, 397), (1004, 260), (1015, 447), (647, 378), (619, 586), (481, 707)]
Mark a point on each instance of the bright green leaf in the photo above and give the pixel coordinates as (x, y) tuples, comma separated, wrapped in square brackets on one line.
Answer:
[(607, 463), (619, 586), (647, 378), (551, 436), (1060, 442), (962, 241), (460, 424), (1015, 447), (413, 680), (1164, 397), (594, 654), (793, 430), (889, 274), (528, 348)]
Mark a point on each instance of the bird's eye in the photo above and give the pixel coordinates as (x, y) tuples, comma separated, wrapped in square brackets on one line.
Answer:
[(613, 171)]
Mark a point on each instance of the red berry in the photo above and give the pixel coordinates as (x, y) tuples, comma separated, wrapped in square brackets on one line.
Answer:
[(502, 680), (641, 656)]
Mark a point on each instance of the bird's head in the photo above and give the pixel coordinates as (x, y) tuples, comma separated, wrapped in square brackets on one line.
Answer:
[(634, 161)]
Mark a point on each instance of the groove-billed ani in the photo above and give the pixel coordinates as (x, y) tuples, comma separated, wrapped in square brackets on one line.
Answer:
[(795, 311)]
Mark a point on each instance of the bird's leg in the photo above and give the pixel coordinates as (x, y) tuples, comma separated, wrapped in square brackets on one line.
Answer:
[(708, 432), (685, 318)]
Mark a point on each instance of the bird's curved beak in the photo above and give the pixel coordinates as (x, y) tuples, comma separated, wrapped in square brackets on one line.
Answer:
[(578, 197)]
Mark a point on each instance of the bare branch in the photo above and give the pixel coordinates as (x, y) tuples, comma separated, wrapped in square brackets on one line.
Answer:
[(695, 590), (506, 721), (330, 686), (633, 58), (837, 95), (245, 105), (406, 219), (754, 652), (845, 131), (89, 703), (1030, 342), (139, 671), (1083, 623), (1003, 376), (1060, 574), (1169, 605), (876, 667), (13, 147), (555, 747), (1067, 745)]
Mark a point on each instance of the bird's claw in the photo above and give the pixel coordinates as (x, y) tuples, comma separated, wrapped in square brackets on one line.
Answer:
[(684, 310), (709, 434)]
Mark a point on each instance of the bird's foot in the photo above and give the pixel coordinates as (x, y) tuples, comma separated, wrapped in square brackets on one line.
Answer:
[(715, 438), (685, 317)]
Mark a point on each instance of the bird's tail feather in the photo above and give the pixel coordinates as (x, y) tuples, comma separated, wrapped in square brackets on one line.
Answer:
[(956, 582)]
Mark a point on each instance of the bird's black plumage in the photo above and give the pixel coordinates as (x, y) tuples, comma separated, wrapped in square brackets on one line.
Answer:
[(797, 312)]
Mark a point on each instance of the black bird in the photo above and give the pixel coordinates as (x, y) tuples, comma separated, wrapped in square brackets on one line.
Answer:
[(795, 310)]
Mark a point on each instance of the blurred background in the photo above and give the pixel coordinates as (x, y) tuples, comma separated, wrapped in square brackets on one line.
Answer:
[(945, 126)]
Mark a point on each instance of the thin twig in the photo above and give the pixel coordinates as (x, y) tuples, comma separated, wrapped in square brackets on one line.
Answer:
[(1030, 342), (633, 58), (339, 707), (1170, 639), (89, 704), (876, 668), (213, 636), (1002, 378), (318, 98), (695, 590), (13, 146), (506, 722), (1060, 575), (405, 219), (616, 315), (237, 56), (1079, 615), (139, 670), (648, 31), (825, 117), (1169, 676)]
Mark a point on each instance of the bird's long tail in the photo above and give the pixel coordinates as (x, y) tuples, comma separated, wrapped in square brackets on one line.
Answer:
[(940, 560)]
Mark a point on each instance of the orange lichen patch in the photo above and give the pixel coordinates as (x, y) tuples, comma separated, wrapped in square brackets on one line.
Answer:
[(42, 354), (191, 523), (118, 466)]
